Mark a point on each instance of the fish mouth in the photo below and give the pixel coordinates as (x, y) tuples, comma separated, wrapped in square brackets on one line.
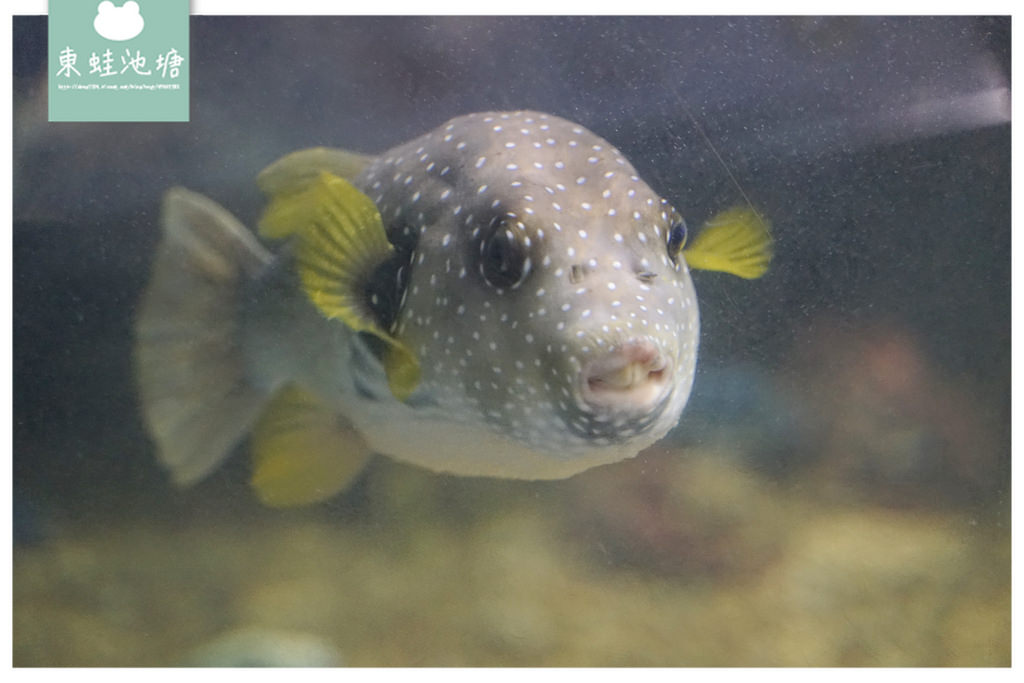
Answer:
[(629, 380)]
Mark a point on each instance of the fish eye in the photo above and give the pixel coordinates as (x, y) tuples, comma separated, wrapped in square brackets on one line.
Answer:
[(676, 236), (504, 262)]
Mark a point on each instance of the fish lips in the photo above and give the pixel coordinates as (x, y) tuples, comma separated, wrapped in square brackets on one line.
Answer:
[(629, 382)]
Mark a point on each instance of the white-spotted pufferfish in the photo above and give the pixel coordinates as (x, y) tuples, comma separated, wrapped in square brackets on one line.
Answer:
[(502, 297)]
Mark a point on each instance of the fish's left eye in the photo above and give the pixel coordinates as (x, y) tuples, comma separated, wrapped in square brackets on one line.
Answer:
[(676, 236), (504, 262)]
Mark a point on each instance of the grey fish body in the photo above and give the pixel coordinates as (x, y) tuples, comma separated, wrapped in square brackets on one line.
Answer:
[(505, 389), (532, 285)]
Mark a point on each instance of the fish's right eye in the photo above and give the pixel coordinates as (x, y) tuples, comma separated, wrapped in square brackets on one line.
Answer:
[(504, 262), (676, 236)]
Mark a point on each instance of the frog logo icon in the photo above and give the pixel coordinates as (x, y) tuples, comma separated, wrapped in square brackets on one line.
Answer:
[(118, 23)]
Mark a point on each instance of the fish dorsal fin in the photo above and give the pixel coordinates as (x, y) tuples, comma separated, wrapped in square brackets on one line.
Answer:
[(341, 240), (300, 169), (735, 241), (302, 451)]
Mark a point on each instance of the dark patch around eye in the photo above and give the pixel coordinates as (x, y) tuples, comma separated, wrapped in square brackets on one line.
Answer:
[(384, 289)]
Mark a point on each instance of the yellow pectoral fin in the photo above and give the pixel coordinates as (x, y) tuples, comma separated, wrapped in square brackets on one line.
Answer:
[(402, 369), (297, 171), (342, 244), (303, 452), (332, 207), (286, 215), (736, 241), (341, 240)]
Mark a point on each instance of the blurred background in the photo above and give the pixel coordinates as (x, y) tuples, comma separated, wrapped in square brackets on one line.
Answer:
[(836, 493)]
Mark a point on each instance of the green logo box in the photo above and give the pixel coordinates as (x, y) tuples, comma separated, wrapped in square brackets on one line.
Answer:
[(118, 60)]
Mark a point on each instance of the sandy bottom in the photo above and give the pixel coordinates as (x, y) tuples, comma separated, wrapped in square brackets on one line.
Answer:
[(657, 562)]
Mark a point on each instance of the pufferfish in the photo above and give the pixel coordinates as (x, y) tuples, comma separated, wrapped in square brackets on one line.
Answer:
[(501, 297)]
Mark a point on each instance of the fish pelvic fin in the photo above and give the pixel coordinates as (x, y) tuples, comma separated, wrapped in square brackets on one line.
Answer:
[(189, 367), (302, 451), (736, 241), (340, 242), (296, 171)]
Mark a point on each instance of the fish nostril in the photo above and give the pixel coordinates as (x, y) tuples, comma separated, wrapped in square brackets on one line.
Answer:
[(646, 276)]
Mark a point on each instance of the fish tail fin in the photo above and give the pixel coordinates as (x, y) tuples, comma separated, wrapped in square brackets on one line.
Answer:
[(189, 367)]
